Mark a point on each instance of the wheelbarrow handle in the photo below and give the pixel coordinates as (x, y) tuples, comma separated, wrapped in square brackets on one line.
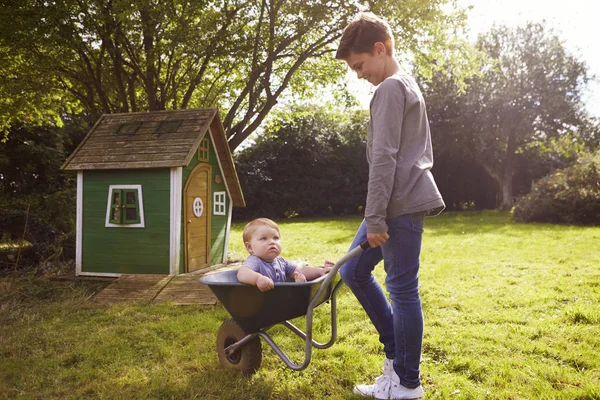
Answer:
[(331, 274), (352, 253)]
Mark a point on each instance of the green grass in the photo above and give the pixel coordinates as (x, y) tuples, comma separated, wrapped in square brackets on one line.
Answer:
[(512, 311)]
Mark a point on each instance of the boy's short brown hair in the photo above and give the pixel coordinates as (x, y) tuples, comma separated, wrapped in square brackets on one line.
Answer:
[(362, 33), (252, 225)]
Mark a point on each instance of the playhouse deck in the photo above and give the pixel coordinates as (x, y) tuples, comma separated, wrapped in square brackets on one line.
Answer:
[(180, 289)]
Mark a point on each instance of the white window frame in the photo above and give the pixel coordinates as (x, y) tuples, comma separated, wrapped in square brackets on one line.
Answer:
[(219, 203), (141, 224)]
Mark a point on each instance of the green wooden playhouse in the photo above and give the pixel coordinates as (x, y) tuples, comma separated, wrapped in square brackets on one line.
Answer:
[(155, 192)]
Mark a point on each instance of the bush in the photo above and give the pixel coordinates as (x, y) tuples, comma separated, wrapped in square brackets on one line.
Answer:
[(311, 165), (38, 235), (568, 196), (45, 223), (34, 189)]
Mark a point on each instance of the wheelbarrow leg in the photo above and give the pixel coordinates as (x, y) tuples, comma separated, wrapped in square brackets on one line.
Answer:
[(307, 336)]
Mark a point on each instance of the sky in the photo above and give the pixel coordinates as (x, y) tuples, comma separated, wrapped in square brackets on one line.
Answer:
[(576, 22)]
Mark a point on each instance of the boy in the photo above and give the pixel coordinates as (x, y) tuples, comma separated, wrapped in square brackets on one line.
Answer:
[(263, 267), (401, 191)]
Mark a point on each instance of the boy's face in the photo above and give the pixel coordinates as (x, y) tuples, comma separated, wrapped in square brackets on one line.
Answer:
[(264, 243), (368, 66)]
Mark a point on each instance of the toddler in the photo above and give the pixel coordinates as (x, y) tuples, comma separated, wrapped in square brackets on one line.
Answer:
[(264, 266)]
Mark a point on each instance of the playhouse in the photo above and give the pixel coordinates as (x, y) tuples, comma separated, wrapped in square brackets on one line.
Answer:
[(155, 192)]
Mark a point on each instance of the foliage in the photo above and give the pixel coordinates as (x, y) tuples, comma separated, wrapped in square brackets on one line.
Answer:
[(444, 50), (31, 157), (531, 89), (539, 158), (46, 223), (569, 196), (241, 55), (463, 184), (37, 233), (528, 92), (488, 335), (461, 181), (26, 92), (310, 162), (37, 200)]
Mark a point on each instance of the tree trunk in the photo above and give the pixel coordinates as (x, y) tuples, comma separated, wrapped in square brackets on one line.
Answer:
[(509, 168), (149, 79), (507, 191), (503, 176)]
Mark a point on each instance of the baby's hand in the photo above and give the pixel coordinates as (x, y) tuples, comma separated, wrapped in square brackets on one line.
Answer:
[(264, 283), (298, 277), (328, 266)]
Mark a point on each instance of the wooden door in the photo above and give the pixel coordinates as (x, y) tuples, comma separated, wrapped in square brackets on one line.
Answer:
[(197, 222)]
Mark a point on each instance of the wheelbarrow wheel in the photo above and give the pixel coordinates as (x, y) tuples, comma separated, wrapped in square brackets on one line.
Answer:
[(247, 359)]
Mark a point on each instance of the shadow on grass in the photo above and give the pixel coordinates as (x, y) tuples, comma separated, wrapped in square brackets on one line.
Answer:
[(218, 383)]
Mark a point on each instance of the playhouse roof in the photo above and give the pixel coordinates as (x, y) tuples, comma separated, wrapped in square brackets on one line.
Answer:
[(155, 139)]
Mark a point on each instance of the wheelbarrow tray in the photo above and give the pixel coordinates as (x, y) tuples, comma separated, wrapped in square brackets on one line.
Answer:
[(254, 310)]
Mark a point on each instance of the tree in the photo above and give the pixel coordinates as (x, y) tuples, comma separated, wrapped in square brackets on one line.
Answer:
[(517, 119), (310, 162), (529, 90), (36, 198), (30, 161), (462, 182), (241, 55)]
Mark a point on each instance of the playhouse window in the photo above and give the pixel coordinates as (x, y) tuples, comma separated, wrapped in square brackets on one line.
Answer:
[(125, 206), (167, 126), (128, 128), (219, 203), (203, 150)]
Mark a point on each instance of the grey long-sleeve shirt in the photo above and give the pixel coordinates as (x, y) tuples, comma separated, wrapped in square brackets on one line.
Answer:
[(399, 154)]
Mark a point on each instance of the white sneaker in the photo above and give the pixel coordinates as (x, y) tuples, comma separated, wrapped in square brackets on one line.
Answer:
[(381, 388), (397, 391), (388, 367), (387, 386)]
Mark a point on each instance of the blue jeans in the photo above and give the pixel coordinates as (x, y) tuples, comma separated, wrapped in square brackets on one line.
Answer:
[(400, 325)]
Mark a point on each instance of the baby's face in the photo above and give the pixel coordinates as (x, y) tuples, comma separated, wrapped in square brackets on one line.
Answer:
[(265, 243)]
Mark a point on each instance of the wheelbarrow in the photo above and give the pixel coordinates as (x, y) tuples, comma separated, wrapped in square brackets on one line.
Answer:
[(254, 312)]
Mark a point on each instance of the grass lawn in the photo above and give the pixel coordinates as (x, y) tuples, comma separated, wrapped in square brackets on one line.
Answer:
[(512, 311)]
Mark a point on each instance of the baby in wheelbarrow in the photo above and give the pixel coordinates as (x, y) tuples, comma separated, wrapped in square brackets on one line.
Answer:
[(264, 266)]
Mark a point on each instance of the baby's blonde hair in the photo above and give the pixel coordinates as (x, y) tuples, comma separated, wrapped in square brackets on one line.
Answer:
[(252, 225)]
